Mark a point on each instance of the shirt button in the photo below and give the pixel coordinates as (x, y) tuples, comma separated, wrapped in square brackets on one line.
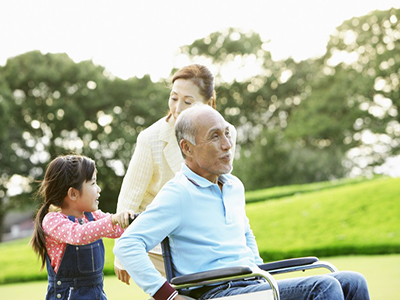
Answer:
[(58, 296), (77, 248), (59, 282)]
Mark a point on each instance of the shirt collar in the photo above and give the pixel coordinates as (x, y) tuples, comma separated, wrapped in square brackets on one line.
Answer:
[(201, 181)]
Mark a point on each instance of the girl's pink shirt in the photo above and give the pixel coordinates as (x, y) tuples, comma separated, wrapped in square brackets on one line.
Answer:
[(60, 231)]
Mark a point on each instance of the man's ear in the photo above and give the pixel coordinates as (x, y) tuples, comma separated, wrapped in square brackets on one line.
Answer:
[(73, 193), (186, 147), (210, 101)]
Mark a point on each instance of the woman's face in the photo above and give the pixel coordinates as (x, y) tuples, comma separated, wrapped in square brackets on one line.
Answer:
[(183, 94)]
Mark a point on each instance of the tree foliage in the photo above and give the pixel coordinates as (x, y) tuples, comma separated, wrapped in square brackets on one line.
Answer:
[(364, 56), (316, 119), (51, 105), (297, 122)]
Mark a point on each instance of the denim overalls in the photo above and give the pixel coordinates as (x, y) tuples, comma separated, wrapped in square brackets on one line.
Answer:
[(80, 275)]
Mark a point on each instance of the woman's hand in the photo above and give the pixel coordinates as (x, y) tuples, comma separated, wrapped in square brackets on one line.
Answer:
[(122, 275), (122, 218)]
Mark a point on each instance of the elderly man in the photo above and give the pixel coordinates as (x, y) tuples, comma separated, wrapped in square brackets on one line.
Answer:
[(202, 210)]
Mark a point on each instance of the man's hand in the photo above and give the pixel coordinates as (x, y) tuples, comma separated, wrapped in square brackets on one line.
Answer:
[(178, 297), (122, 275)]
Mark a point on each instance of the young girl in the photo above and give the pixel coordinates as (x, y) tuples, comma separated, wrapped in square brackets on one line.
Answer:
[(69, 241)]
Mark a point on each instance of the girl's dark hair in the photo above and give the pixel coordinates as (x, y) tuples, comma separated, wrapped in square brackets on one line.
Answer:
[(62, 173), (200, 76)]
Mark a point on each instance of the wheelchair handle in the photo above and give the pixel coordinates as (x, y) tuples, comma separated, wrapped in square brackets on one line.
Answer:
[(134, 218)]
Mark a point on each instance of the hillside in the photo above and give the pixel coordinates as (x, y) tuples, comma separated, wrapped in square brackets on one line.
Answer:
[(360, 218), (357, 218)]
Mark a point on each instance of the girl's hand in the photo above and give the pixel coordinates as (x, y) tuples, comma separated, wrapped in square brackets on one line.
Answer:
[(122, 218)]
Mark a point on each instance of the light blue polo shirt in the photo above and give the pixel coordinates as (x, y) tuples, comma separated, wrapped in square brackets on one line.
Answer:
[(207, 228)]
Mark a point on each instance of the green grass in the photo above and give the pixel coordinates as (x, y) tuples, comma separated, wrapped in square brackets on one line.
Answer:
[(360, 218), (382, 274), (352, 219), (36, 290), (290, 190), (381, 271), (20, 264)]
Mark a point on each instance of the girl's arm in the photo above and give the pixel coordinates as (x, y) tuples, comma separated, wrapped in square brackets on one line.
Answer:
[(61, 229)]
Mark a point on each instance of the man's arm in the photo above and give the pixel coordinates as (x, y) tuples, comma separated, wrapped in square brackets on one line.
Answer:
[(149, 229), (251, 243)]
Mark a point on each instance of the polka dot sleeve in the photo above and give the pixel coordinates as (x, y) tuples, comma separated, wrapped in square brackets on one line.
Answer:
[(62, 230)]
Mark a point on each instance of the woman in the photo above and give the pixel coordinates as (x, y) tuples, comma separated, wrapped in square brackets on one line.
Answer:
[(157, 156)]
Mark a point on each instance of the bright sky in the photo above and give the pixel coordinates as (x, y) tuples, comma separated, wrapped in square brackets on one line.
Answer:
[(133, 38)]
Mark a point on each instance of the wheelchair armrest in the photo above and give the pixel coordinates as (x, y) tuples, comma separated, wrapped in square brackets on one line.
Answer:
[(210, 275), (288, 263)]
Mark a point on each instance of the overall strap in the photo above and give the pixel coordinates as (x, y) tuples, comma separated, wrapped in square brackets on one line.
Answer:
[(50, 270), (87, 214)]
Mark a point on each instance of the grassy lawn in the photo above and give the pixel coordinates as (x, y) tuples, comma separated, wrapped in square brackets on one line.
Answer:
[(344, 223), (361, 218), (290, 190), (382, 273), (36, 290)]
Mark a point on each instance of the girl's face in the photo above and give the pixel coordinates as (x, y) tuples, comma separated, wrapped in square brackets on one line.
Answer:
[(183, 94), (89, 195)]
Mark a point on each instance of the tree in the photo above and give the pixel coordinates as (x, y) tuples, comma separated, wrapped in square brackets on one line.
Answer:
[(297, 122), (12, 159), (260, 106), (56, 106), (359, 88), (338, 112)]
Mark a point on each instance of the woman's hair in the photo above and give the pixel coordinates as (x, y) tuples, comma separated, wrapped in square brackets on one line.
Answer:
[(62, 173), (201, 77)]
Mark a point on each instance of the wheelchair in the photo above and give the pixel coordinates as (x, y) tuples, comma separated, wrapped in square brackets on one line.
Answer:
[(196, 280)]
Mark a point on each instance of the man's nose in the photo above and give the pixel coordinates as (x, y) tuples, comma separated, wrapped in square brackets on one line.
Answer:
[(226, 143)]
